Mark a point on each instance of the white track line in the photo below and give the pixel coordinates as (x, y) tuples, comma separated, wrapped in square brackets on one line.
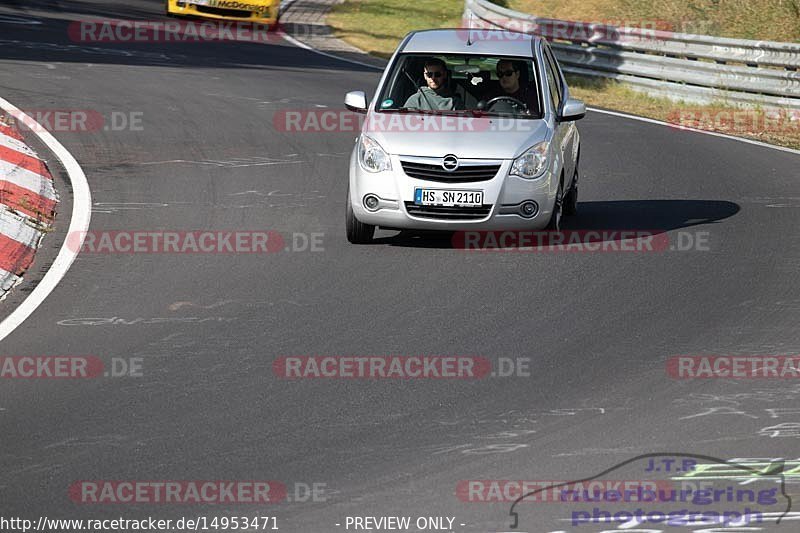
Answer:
[(79, 223), (304, 46), (299, 44)]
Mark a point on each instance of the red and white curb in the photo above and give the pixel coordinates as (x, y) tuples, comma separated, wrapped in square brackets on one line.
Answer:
[(27, 205), (78, 223)]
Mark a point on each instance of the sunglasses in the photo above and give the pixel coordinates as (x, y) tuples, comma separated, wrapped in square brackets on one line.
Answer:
[(504, 73), (433, 75)]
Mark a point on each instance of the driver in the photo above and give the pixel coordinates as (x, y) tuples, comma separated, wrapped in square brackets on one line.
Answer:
[(509, 73), (437, 95)]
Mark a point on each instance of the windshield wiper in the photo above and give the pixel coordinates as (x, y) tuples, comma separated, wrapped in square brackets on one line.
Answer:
[(478, 113), (419, 111)]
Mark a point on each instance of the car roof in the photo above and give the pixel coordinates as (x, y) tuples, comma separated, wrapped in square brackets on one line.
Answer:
[(465, 41)]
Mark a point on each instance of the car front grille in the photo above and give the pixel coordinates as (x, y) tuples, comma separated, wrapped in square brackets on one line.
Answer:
[(236, 13), (464, 174), (448, 213)]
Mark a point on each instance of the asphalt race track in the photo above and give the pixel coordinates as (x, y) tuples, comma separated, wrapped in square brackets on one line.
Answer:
[(596, 328)]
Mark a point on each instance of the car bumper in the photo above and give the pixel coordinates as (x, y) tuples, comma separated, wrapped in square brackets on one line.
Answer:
[(252, 12), (502, 196)]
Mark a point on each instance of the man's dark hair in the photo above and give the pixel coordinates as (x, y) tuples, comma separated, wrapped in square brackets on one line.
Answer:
[(518, 66), (435, 61)]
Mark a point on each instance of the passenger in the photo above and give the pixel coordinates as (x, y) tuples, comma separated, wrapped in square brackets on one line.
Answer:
[(436, 96)]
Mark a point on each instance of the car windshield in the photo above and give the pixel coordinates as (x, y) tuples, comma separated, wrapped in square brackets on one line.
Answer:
[(462, 84)]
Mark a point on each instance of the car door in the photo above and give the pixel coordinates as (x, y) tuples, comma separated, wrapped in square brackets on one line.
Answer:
[(564, 137)]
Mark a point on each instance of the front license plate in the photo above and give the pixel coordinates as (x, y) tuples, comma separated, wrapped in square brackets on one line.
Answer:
[(448, 198)]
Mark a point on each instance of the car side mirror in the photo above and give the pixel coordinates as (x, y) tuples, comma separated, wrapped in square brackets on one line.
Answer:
[(573, 110), (356, 101)]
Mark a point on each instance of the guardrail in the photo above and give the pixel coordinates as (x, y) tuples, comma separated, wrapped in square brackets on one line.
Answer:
[(680, 66)]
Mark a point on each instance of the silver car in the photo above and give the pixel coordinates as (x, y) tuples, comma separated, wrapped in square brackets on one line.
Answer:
[(468, 130)]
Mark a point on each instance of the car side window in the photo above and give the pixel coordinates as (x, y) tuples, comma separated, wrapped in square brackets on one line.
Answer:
[(553, 79), (559, 75)]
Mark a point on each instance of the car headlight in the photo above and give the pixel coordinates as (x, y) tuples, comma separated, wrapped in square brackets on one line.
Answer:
[(372, 157), (532, 163)]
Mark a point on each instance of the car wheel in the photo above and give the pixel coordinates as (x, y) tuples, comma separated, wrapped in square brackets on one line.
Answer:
[(555, 217), (357, 232), (570, 207)]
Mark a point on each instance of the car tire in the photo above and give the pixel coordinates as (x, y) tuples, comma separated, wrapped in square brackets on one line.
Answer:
[(555, 218), (357, 231), (570, 206)]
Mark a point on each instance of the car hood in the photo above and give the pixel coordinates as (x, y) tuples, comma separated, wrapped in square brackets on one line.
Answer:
[(464, 137)]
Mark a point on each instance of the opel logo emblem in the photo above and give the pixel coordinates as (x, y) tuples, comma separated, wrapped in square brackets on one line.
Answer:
[(450, 163)]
